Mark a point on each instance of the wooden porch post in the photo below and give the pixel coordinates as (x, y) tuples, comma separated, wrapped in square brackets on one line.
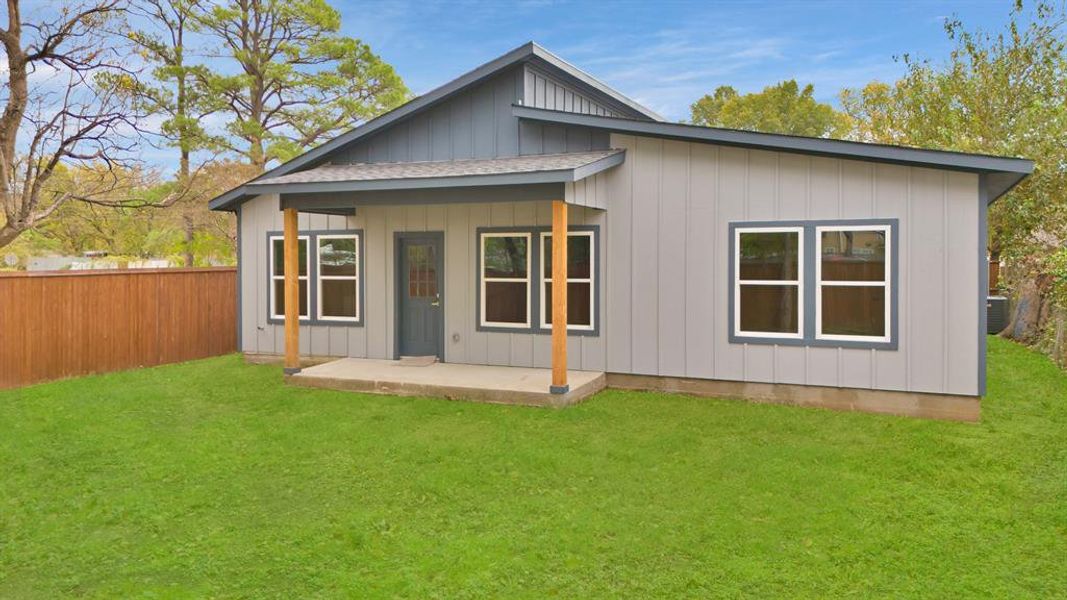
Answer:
[(292, 293), (559, 297)]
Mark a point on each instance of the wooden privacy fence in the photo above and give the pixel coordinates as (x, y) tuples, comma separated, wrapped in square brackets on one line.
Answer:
[(66, 323)]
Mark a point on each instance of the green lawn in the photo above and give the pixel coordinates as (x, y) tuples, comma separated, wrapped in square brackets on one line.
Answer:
[(212, 479)]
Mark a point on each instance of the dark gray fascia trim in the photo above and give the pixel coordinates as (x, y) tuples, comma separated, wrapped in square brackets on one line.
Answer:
[(481, 194), (224, 201), (582, 77), (328, 187), (534, 300), (509, 59), (313, 279), (1011, 169), (597, 166), (808, 302)]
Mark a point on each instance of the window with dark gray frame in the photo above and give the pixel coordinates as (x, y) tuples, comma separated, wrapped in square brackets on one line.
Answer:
[(819, 283), (515, 280), (852, 283), (330, 277), (505, 271), (769, 285), (337, 261), (277, 276), (580, 272)]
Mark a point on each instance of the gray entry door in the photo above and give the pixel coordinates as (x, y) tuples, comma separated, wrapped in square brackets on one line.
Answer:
[(420, 294)]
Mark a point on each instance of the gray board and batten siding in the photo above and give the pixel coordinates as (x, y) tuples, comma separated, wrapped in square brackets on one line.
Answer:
[(463, 343), (668, 289), (476, 124), (664, 276)]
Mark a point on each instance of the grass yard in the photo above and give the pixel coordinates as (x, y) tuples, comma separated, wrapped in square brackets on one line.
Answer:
[(212, 479)]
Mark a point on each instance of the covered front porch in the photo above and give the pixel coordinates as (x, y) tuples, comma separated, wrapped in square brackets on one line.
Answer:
[(480, 383), (419, 310)]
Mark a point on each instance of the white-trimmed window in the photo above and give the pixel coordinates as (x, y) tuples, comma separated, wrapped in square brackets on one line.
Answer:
[(277, 276), (505, 279), (337, 259), (852, 283), (769, 282), (581, 270)]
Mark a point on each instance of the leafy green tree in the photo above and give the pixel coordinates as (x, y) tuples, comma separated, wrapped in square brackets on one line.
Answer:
[(999, 93), (173, 91), (780, 108), (299, 81)]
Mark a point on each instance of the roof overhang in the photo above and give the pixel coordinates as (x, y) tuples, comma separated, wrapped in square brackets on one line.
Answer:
[(999, 173), (468, 173)]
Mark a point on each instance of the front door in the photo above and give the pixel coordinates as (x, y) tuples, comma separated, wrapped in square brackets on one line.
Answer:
[(420, 291)]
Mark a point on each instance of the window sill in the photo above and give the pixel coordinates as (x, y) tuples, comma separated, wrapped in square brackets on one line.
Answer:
[(595, 332), (318, 322), (814, 343)]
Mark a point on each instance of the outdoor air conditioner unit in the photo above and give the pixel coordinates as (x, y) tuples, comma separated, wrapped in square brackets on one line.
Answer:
[(996, 314)]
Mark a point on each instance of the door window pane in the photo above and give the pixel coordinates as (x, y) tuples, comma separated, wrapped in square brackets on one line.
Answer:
[(769, 308), (853, 255), (853, 310), (505, 256), (505, 301), (770, 255), (422, 271)]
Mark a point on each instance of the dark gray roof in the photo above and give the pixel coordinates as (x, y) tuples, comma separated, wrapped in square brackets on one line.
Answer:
[(538, 168), (1000, 173), (527, 52)]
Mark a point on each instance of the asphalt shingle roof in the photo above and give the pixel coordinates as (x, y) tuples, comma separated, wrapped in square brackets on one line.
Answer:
[(442, 168)]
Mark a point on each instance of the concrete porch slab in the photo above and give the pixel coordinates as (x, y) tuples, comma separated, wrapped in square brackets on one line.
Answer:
[(501, 385)]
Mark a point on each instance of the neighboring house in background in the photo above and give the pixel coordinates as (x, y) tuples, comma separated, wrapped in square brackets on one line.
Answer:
[(99, 261), (50, 263), (700, 259)]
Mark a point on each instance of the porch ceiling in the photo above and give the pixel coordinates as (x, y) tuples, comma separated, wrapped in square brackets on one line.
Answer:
[(516, 170)]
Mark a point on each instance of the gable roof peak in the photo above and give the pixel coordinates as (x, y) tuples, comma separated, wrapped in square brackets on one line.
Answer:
[(529, 52)]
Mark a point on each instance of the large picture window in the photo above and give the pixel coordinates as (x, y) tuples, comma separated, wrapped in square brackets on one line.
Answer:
[(815, 283), (337, 259), (505, 280), (852, 283), (277, 276), (580, 272), (768, 286)]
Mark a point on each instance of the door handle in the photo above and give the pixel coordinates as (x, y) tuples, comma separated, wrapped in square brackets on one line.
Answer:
[(436, 300)]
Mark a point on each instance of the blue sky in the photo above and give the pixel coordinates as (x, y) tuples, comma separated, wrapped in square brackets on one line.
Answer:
[(664, 54), (667, 54)]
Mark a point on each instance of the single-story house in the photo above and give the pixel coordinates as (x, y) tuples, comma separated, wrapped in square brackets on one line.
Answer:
[(708, 260)]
